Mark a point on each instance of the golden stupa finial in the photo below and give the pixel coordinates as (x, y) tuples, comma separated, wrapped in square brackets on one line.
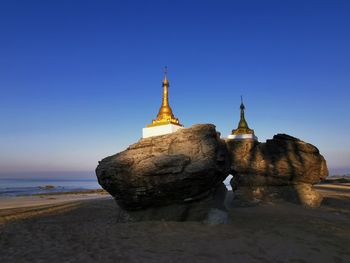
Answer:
[(165, 114), (242, 125), (165, 81)]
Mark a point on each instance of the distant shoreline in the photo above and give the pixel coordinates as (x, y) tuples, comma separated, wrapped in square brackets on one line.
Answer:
[(89, 191), (37, 200), (31, 186)]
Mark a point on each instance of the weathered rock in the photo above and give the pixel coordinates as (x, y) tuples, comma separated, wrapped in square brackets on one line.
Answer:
[(210, 210), (175, 170), (261, 171), (301, 193), (179, 176)]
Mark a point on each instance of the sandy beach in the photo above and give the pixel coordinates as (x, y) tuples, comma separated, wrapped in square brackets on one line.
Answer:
[(83, 228)]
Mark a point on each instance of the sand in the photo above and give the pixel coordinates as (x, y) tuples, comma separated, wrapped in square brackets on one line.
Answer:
[(77, 230), (47, 199)]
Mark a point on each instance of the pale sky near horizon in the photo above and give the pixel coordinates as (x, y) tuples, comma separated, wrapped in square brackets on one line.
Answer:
[(80, 79)]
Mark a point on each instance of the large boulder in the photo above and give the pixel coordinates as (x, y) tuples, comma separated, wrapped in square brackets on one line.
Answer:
[(284, 167), (179, 176), (176, 169)]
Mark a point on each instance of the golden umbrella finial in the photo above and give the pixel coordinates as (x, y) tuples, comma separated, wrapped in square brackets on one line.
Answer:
[(242, 105), (165, 81)]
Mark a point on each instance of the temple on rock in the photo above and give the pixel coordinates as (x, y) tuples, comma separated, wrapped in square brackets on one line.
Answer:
[(242, 132), (165, 122)]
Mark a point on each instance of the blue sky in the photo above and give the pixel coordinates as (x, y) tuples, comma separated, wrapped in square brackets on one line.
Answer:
[(80, 79)]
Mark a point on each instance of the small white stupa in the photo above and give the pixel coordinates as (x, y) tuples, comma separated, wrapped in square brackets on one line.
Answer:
[(165, 122), (242, 132)]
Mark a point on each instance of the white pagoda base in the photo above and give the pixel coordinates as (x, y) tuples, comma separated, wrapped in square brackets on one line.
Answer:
[(160, 130), (242, 137)]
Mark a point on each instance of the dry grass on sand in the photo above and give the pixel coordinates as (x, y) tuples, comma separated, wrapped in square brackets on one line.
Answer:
[(86, 231)]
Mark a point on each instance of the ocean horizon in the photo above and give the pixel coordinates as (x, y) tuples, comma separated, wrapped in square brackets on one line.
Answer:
[(40, 183), (20, 186)]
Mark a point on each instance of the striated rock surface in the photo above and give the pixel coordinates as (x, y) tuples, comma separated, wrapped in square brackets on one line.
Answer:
[(284, 167), (174, 169)]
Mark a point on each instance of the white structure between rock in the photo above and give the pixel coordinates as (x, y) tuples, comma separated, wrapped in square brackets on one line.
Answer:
[(160, 130), (242, 137)]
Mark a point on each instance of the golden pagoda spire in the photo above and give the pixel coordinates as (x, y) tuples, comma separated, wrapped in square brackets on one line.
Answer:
[(165, 114), (242, 125), (165, 102)]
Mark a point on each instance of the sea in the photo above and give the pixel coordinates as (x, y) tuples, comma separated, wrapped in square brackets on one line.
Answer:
[(29, 186)]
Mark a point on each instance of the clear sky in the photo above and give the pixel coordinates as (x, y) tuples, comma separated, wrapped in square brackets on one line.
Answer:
[(80, 79)]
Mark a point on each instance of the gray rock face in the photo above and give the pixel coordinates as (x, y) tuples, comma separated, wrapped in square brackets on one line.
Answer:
[(172, 169), (263, 170)]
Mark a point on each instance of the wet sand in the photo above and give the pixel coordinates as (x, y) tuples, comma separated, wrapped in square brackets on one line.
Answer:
[(46, 199), (86, 231)]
